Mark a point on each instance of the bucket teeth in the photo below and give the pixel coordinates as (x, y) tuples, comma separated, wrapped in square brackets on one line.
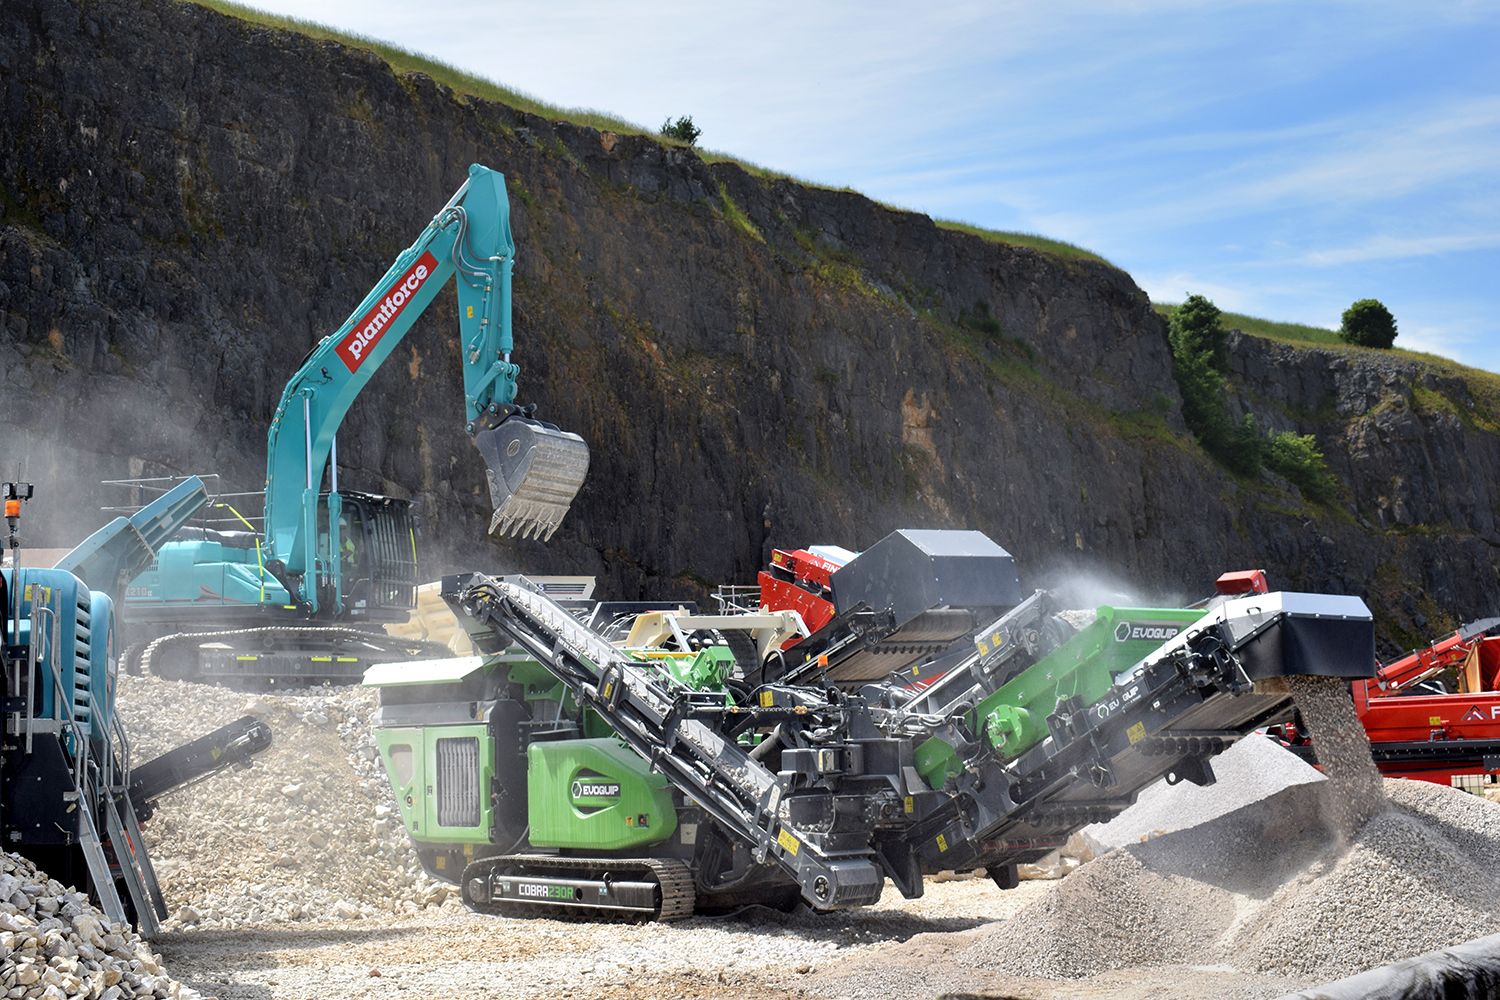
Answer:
[(518, 519)]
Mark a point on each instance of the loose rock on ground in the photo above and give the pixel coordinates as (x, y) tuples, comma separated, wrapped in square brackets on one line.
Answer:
[(1273, 896), (55, 944), (294, 879), (309, 832)]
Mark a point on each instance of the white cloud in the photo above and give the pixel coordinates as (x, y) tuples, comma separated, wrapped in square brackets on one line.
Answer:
[(1385, 247), (1377, 158), (1175, 286), (1449, 341)]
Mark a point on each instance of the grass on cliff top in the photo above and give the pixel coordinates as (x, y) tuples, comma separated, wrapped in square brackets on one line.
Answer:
[(1483, 385), (1290, 333), (403, 60), (406, 61), (1057, 248)]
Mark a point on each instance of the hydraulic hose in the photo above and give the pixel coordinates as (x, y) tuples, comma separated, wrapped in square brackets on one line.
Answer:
[(770, 743)]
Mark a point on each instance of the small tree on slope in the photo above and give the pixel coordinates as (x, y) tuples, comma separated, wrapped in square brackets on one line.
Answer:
[(683, 130), (1368, 323)]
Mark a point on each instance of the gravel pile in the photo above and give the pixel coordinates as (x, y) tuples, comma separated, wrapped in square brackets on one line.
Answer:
[(309, 832), (1251, 770), (54, 944), (1272, 893), (1417, 877)]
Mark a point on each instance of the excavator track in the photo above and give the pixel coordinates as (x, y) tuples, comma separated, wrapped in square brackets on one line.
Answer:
[(275, 656), (592, 889)]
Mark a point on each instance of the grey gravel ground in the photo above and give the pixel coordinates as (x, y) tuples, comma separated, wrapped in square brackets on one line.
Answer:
[(757, 954), (292, 880)]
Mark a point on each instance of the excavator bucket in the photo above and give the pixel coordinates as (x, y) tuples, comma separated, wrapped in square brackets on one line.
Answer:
[(534, 471)]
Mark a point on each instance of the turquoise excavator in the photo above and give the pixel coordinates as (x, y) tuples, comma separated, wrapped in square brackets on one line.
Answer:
[(301, 596)]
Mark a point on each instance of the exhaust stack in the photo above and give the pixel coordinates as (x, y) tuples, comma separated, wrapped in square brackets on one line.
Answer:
[(534, 471)]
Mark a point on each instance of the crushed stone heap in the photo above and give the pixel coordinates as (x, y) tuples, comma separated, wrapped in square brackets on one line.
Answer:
[(1247, 772), (308, 832), (1270, 897), (55, 944)]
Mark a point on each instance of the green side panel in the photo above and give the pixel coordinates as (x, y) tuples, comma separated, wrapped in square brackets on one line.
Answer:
[(936, 762), (441, 776), (595, 794), (594, 725), (1014, 718)]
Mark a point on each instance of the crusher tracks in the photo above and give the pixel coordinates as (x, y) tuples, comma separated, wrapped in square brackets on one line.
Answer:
[(275, 656), (540, 885)]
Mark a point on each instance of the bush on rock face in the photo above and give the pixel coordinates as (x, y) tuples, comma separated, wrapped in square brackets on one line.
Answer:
[(683, 130), (1196, 336)]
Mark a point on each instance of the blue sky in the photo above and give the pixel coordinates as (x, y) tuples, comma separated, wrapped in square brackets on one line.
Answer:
[(1283, 158)]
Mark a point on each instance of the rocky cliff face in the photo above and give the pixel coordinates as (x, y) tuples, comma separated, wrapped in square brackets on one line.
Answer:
[(191, 202)]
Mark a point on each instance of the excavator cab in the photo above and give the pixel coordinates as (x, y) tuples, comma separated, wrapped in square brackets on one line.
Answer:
[(534, 471), (377, 563)]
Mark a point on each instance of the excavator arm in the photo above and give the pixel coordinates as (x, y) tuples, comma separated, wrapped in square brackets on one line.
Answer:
[(533, 469)]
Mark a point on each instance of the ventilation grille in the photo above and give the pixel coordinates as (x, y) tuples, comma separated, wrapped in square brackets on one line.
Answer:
[(83, 695), (458, 781)]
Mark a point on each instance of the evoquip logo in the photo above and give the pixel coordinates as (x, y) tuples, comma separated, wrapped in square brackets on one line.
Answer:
[(1152, 631), (595, 789), (361, 340)]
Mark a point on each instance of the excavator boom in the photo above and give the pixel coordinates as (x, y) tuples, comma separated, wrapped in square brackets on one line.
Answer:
[(299, 597), (533, 469)]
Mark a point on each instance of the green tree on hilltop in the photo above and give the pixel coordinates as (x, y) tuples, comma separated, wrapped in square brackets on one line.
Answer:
[(1369, 323), (683, 130)]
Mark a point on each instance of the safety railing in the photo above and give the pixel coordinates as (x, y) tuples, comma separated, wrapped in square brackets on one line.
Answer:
[(119, 740), (64, 702), (27, 686), (122, 742), (737, 599), (219, 500)]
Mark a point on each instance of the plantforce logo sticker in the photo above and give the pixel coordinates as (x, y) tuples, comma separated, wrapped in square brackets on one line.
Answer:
[(361, 340), (1152, 631), (596, 790)]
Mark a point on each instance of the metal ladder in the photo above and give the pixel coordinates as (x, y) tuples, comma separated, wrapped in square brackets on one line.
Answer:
[(135, 865)]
